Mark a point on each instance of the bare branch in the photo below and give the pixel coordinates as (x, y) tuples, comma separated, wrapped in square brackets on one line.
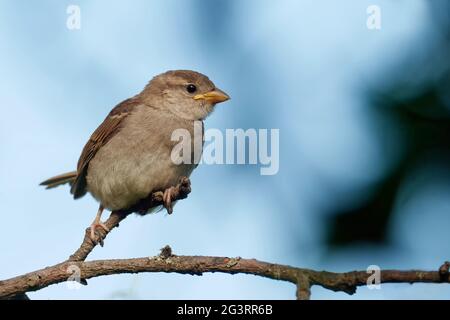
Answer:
[(197, 265)]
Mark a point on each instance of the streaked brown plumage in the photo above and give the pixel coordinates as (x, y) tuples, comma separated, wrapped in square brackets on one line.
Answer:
[(128, 155)]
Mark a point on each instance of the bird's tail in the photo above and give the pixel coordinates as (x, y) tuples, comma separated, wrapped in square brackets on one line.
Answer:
[(64, 178)]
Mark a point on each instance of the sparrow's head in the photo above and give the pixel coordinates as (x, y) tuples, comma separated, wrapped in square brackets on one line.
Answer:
[(187, 94)]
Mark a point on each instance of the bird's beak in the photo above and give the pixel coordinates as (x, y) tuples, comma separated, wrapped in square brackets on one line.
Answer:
[(214, 96)]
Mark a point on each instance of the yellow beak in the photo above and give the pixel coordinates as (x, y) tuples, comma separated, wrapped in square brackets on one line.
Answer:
[(214, 96)]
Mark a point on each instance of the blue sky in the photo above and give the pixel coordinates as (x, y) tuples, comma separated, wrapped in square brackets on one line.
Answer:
[(297, 66)]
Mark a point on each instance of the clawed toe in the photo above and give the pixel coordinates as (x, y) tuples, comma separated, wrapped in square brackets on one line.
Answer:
[(96, 237), (167, 200)]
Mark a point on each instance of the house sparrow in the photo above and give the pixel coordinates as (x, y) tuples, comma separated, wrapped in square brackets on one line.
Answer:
[(129, 155)]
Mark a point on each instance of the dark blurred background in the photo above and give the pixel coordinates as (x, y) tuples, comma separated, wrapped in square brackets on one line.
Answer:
[(410, 108)]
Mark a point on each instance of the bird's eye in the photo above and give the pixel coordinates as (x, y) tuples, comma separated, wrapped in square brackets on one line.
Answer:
[(191, 88)]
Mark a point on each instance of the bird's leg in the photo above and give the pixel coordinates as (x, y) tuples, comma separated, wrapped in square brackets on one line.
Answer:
[(97, 223), (167, 200)]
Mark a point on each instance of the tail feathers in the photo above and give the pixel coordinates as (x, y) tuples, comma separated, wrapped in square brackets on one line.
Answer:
[(64, 178)]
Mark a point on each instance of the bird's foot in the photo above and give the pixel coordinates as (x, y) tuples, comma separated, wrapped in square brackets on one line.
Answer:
[(167, 199), (96, 236)]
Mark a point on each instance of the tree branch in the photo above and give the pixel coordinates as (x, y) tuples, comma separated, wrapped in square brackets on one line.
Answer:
[(197, 265), (75, 268)]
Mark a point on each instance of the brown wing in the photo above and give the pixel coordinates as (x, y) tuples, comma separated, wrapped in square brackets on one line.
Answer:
[(109, 127)]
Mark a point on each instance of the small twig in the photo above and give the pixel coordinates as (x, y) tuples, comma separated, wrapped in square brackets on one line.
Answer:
[(88, 245), (303, 287), (444, 270)]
